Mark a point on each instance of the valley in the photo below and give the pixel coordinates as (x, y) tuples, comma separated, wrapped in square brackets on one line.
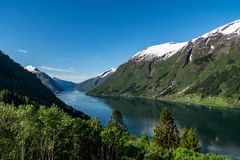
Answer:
[(119, 80)]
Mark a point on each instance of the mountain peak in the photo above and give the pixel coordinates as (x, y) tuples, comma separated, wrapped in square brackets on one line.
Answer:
[(31, 69), (164, 51), (228, 29)]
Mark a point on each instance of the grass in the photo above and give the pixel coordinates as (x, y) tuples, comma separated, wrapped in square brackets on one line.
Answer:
[(197, 100), (193, 99)]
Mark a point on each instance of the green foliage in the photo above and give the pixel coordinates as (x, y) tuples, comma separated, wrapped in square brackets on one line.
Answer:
[(18, 87), (190, 140), (112, 143), (117, 121), (187, 154), (154, 152), (49, 133), (214, 74), (226, 83), (86, 138), (17, 80), (9, 97), (204, 59), (136, 147), (190, 154), (45, 133), (166, 133), (210, 156), (8, 148)]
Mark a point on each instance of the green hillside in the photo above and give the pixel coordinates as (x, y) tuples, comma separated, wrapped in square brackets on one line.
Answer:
[(19, 86), (210, 77)]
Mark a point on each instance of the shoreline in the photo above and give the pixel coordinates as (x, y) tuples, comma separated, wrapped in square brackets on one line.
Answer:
[(179, 100)]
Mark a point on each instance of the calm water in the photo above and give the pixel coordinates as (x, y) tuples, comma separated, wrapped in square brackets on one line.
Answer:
[(218, 129)]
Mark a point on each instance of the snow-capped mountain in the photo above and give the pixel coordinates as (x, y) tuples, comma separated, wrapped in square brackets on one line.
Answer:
[(166, 50), (31, 69), (54, 84), (208, 65), (95, 81), (162, 51), (228, 29)]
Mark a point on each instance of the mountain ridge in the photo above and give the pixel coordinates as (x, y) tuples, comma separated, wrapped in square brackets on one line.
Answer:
[(19, 86), (93, 82), (54, 84), (185, 76)]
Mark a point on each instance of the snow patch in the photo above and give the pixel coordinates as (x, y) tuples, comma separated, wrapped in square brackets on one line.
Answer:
[(166, 90), (193, 40), (208, 40), (212, 48), (228, 29), (190, 58), (105, 74), (31, 69), (164, 51)]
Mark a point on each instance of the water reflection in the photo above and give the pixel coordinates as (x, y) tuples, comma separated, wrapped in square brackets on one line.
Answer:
[(218, 129)]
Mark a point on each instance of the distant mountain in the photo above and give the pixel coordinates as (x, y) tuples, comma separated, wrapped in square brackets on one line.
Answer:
[(95, 81), (205, 70), (18, 86), (55, 84), (65, 85)]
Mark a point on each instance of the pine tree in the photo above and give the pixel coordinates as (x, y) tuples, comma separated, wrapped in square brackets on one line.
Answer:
[(117, 121), (166, 133), (144, 138), (190, 140)]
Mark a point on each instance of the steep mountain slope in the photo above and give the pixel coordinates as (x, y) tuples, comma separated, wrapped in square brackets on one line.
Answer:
[(65, 85), (95, 81), (16, 82), (205, 70), (54, 84)]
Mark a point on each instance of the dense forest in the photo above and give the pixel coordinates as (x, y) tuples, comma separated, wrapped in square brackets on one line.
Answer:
[(48, 133)]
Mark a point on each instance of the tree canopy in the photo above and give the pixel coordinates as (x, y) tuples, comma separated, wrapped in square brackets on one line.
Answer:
[(48, 133), (166, 133)]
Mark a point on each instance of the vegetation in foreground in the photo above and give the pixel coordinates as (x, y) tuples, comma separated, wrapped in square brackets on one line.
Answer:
[(49, 133)]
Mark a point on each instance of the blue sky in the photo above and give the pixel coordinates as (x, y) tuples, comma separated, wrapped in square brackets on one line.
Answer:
[(77, 39)]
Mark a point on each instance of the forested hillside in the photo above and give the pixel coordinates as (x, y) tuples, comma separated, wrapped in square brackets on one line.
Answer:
[(19, 86), (204, 70)]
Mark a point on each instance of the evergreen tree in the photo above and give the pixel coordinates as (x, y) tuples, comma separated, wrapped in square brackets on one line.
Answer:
[(166, 133), (190, 140), (145, 138), (112, 143), (117, 121), (49, 133)]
